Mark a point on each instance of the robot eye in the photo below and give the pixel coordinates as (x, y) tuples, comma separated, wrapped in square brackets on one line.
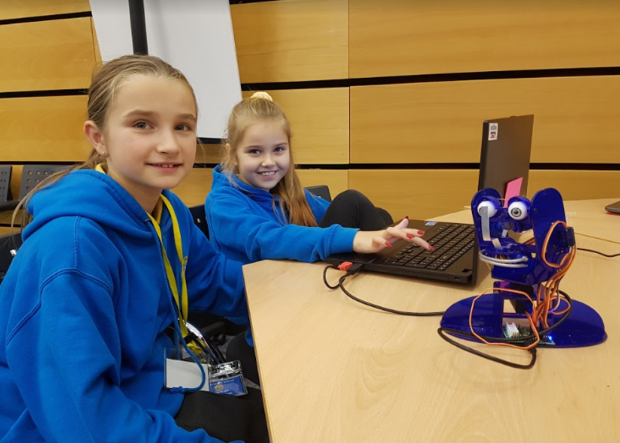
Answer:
[(517, 210), (490, 205)]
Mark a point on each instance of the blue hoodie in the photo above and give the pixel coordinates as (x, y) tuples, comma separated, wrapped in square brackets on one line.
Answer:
[(243, 225), (83, 313)]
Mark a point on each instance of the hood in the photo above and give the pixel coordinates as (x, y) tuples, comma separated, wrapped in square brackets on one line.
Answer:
[(93, 195)]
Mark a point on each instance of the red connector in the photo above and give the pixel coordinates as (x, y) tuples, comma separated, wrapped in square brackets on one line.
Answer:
[(345, 265)]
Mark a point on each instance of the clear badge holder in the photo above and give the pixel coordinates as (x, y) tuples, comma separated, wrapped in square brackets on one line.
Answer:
[(222, 377), (227, 378)]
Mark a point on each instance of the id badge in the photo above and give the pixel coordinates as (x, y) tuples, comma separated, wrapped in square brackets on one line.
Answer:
[(227, 378), (184, 373)]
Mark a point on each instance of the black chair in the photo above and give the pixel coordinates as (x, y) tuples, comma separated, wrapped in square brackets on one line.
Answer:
[(5, 183), (32, 175), (9, 244), (211, 325), (200, 218), (320, 191)]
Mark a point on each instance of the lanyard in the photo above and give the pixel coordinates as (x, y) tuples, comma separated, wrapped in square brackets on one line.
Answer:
[(182, 303)]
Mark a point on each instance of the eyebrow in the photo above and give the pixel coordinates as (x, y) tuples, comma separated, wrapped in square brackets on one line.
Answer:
[(144, 113)]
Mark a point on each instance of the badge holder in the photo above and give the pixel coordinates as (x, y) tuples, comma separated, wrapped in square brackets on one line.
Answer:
[(221, 377), (227, 378)]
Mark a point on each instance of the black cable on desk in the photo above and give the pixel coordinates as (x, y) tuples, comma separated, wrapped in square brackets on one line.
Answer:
[(599, 253), (354, 270)]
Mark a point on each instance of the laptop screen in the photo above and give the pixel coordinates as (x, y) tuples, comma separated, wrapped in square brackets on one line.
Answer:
[(505, 155)]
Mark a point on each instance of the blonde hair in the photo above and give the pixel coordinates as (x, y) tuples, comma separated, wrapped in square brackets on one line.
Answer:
[(104, 87), (260, 107)]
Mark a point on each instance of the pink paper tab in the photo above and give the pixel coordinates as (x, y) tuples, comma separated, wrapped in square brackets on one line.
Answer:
[(513, 189)]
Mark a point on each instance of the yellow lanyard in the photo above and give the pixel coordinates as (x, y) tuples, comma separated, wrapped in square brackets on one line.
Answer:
[(182, 304)]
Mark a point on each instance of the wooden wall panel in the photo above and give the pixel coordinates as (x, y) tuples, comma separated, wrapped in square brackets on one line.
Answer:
[(575, 119), (55, 54), (399, 37), (209, 153), (291, 40), (337, 180), (43, 129), (319, 121), (423, 194), (194, 189), (576, 185), (11, 9), (419, 194), (8, 230)]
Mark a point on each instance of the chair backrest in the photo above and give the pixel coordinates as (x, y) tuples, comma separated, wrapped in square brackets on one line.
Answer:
[(32, 175), (200, 218), (5, 183), (9, 244), (320, 191)]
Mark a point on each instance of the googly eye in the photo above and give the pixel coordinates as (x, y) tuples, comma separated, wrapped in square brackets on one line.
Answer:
[(517, 210), (491, 208)]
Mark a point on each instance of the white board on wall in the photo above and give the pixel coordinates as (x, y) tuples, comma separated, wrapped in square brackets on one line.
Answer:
[(195, 36)]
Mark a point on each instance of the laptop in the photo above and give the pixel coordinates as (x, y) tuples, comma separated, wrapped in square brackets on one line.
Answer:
[(505, 157)]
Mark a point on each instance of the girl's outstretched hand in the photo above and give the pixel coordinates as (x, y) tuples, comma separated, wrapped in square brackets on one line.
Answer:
[(366, 242)]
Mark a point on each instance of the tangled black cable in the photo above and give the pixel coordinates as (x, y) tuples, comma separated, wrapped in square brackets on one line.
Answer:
[(354, 270), (525, 340)]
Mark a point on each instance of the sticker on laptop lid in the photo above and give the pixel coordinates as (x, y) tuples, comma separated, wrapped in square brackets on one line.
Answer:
[(430, 223), (493, 131)]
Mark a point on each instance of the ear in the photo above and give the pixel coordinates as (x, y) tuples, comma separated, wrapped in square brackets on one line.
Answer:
[(95, 137)]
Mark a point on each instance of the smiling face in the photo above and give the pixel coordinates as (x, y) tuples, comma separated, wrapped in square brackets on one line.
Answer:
[(263, 155), (149, 137)]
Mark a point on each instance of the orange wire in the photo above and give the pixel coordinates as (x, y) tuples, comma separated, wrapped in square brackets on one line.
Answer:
[(545, 293), (471, 311)]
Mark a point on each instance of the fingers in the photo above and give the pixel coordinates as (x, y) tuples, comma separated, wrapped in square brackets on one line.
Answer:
[(403, 223), (379, 242), (398, 231)]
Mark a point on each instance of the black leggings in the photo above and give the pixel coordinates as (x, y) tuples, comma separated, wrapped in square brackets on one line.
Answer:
[(225, 416), (352, 209)]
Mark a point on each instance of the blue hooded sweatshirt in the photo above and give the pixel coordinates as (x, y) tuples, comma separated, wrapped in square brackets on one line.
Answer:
[(243, 225), (83, 313)]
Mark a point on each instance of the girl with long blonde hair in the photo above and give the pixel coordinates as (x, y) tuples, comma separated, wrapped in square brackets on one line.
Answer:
[(257, 208)]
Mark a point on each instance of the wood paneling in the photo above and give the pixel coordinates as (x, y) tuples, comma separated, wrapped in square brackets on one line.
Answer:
[(336, 180), (8, 230), (423, 194), (575, 119), (11, 9), (16, 180), (43, 129), (419, 194), (194, 189), (209, 153), (55, 54), (319, 120), (398, 37), (576, 185), (291, 40)]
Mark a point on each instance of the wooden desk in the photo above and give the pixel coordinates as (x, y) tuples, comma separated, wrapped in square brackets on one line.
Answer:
[(333, 370)]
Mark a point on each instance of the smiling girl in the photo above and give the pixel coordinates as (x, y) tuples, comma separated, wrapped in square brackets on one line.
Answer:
[(257, 208), (110, 264)]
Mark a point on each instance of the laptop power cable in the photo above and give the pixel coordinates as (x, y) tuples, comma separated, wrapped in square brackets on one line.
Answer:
[(351, 269)]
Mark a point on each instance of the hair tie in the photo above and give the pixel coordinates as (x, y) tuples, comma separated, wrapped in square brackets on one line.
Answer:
[(263, 95)]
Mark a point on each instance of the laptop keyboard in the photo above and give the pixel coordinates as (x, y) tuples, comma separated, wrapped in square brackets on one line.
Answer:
[(451, 242)]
